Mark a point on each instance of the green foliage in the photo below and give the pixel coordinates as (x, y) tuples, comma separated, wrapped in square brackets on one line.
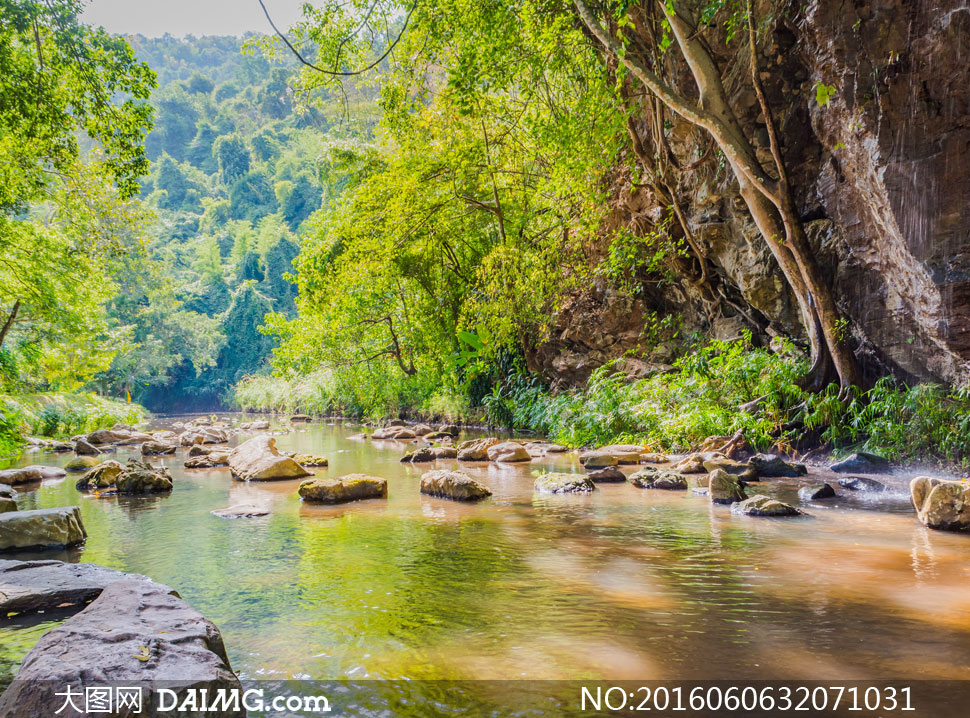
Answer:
[(824, 93)]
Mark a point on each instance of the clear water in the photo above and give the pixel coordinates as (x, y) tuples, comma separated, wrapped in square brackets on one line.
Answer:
[(621, 584)]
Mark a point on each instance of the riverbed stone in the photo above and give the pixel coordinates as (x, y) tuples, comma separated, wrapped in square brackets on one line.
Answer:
[(7, 504), (455, 485), (597, 460), (476, 449), (816, 492), (623, 453), (449, 429), (83, 447), (141, 478), (419, 456), (311, 460), (861, 462), (41, 528), (81, 463), (732, 466), (42, 585), (507, 452), (653, 457), (444, 452), (560, 483), (300, 419), (862, 483), (724, 488), (609, 475), (106, 436), (6, 491), (399, 433), (769, 465), (20, 476), (761, 505), (136, 632), (941, 504), (650, 477), (694, 463), (352, 487), (422, 429), (241, 511), (258, 459), (155, 448), (101, 476)]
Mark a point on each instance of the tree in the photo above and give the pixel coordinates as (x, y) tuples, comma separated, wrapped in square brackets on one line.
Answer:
[(233, 157), (251, 197)]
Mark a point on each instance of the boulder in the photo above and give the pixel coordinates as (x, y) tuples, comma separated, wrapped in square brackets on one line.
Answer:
[(155, 448), (434, 435), (258, 459), (941, 504), (241, 511), (6, 491), (453, 485), (475, 449), (741, 470), (352, 487), (773, 465), (101, 476), (107, 436), (83, 447), (444, 452), (861, 483), (7, 504), (200, 450), (137, 633), (649, 457), (311, 460), (694, 463), (207, 461), (396, 422), (862, 463), (449, 429), (623, 453), (816, 492), (20, 476), (419, 456), (507, 452), (761, 505), (43, 585), (422, 430), (598, 460), (141, 478), (48, 472), (81, 463), (556, 483), (400, 433), (609, 475), (59, 447), (41, 528), (300, 418), (724, 488), (650, 477)]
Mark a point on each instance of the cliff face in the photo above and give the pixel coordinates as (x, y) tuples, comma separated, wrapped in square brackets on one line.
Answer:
[(882, 176)]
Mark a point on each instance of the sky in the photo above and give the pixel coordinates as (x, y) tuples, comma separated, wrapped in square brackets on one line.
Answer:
[(154, 18)]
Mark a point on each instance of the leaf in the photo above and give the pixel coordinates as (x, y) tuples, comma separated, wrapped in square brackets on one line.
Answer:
[(472, 340), (824, 93), (143, 654)]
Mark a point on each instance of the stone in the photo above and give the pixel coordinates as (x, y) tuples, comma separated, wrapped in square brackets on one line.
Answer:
[(650, 457), (558, 483), (598, 460), (741, 470), (258, 459), (399, 433), (141, 478), (507, 452), (7, 504), (419, 456), (761, 505), (862, 463), (107, 436), (241, 511), (422, 430), (6, 491), (300, 418), (311, 460), (434, 435), (609, 475), (48, 472), (444, 452), (81, 463), (816, 492), (450, 429), (42, 585), (135, 633), (352, 487), (861, 483), (41, 528), (773, 465), (454, 485), (650, 477), (154, 448), (724, 488), (101, 476), (694, 463), (82, 447), (475, 449), (20, 476), (941, 504), (623, 453)]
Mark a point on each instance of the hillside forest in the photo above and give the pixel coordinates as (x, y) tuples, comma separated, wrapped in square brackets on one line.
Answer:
[(597, 221)]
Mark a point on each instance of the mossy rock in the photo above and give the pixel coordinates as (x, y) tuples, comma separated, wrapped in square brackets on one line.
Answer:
[(557, 483), (651, 477), (81, 463), (353, 487)]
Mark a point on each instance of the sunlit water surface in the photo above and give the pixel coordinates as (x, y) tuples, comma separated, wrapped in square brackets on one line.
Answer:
[(620, 584)]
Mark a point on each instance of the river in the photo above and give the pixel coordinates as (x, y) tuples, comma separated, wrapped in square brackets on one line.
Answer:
[(620, 584)]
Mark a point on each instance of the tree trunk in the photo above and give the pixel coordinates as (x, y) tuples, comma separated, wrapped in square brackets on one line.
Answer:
[(9, 323)]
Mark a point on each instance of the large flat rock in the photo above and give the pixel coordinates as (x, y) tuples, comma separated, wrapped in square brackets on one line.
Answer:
[(41, 528), (42, 585), (137, 633), (258, 459)]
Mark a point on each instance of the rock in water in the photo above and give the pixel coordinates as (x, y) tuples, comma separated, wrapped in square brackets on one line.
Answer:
[(85, 448), (623, 453), (7, 504), (20, 476), (81, 463), (41, 528), (241, 511), (300, 418), (761, 505), (941, 504), (419, 456), (141, 478), (352, 487), (136, 632), (739, 469), (816, 492), (100, 477), (772, 465), (42, 585), (259, 460), (507, 452), (556, 483), (311, 460), (724, 488), (862, 463), (598, 460), (475, 449), (444, 452), (6, 491), (650, 477), (156, 448), (609, 475), (861, 483), (453, 485)]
